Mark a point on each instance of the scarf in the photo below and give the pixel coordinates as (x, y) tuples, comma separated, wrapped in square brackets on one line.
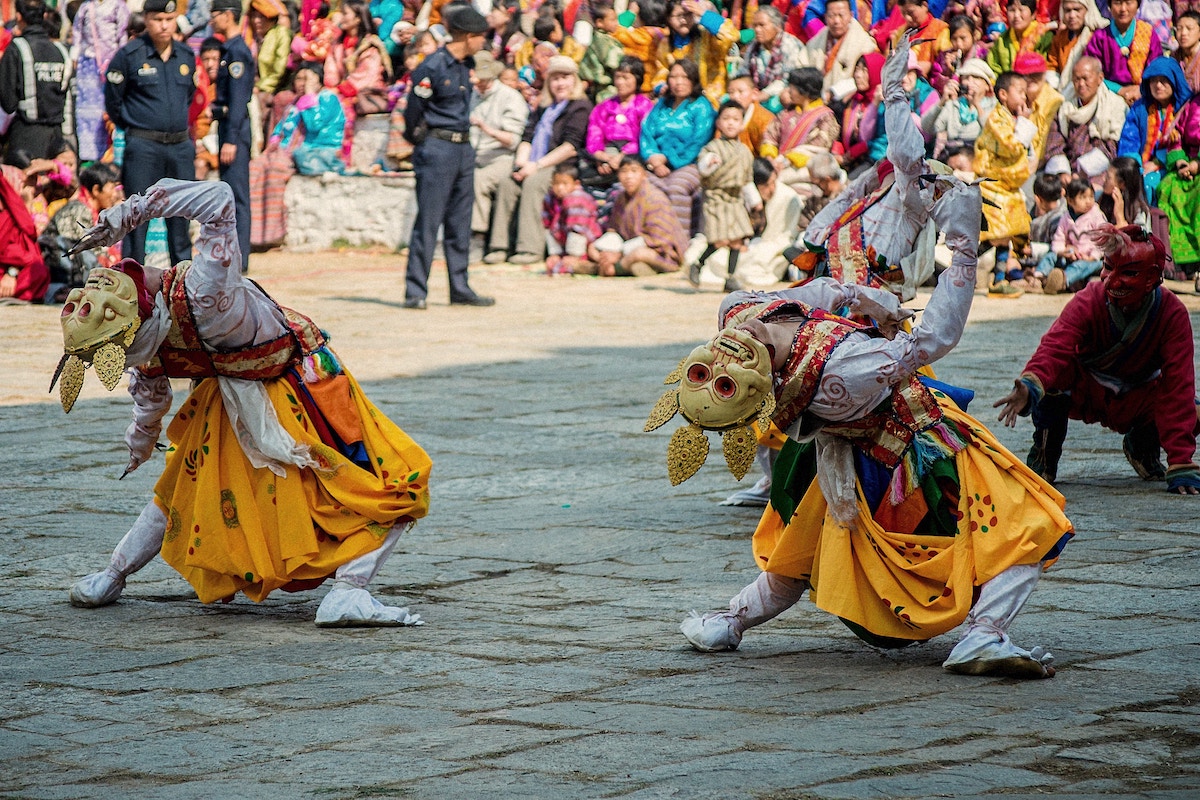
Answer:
[(874, 63), (545, 129), (1134, 45), (966, 112), (1093, 21), (1160, 130), (1104, 116)]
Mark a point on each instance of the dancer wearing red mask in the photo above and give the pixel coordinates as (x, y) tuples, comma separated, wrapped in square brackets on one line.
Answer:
[(1119, 354)]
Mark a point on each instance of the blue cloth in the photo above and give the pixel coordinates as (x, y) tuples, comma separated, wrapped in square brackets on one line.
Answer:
[(440, 95), (1137, 120), (545, 130), (324, 123), (319, 160), (678, 133)]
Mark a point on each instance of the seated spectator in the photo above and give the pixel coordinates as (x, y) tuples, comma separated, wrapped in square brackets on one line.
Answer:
[(548, 28), (554, 134), (1124, 48), (1042, 98), (1025, 34), (1187, 32), (1179, 192), (641, 41), (1074, 255), (23, 274), (755, 119), (1152, 126), (726, 169), (604, 54), (504, 36), (498, 118), (359, 67), (100, 189), (922, 100), (697, 33), (829, 178), (1048, 207), (680, 123), (1078, 21), (959, 118), (929, 34), (274, 45), (569, 215), (863, 117), (533, 75), (806, 126), (642, 236), (964, 46), (307, 139), (1124, 198), (615, 126), (1002, 156), (771, 56), (836, 50), (1089, 120)]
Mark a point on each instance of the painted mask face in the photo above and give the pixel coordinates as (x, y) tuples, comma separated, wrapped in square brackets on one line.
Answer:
[(725, 381), (1128, 284), (107, 304)]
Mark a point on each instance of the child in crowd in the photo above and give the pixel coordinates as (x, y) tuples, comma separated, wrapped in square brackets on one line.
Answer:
[(1074, 256), (727, 176), (100, 189), (205, 129), (569, 214), (964, 46), (755, 118), (643, 235), (1048, 208), (604, 53)]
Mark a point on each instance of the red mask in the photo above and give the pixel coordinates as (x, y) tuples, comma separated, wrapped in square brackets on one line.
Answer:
[(1133, 267)]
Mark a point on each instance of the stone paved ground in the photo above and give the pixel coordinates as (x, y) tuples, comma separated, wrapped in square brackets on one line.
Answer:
[(553, 570)]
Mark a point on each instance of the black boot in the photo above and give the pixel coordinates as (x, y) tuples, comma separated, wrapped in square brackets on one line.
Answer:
[(1142, 451), (1049, 433)]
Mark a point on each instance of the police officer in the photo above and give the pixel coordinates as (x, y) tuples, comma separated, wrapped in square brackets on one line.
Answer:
[(437, 121), (148, 88), (235, 85), (35, 83)]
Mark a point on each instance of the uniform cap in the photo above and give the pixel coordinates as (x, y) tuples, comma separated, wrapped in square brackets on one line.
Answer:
[(461, 18), (160, 7), (226, 5), (487, 68)]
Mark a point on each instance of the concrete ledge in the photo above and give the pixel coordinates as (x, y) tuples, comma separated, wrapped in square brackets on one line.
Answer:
[(329, 210)]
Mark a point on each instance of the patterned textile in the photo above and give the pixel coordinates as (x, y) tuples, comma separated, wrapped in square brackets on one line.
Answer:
[(648, 214), (682, 190), (89, 110), (725, 215), (1124, 65), (575, 213), (709, 48), (1000, 156), (768, 68), (801, 131)]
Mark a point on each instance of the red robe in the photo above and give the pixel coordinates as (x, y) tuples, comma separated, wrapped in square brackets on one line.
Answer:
[(1157, 363)]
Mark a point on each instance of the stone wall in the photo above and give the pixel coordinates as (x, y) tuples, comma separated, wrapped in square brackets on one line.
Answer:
[(336, 210)]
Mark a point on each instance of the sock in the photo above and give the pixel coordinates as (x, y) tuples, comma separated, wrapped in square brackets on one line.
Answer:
[(733, 259), (708, 251)]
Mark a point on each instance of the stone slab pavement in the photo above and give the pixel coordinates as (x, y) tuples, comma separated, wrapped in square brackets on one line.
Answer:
[(553, 571)]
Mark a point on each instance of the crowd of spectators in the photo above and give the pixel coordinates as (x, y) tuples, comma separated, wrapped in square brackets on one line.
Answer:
[(618, 137)]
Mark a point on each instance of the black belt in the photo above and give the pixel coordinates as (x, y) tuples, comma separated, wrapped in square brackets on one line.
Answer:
[(457, 137), (162, 137)]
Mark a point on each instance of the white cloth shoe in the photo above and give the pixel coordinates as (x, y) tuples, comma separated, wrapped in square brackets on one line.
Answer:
[(988, 651), (351, 607), (711, 633), (757, 496), (98, 589), (985, 648)]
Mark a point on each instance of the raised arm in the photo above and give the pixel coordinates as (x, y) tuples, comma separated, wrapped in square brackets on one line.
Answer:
[(906, 146)]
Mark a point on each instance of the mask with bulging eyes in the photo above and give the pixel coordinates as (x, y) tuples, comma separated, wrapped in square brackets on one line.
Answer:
[(725, 381), (99, 322)]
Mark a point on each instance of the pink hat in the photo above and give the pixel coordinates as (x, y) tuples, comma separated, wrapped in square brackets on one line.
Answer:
[(1030, 64)]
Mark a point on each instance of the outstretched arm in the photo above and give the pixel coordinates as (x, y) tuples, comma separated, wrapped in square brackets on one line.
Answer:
[(906, 146)]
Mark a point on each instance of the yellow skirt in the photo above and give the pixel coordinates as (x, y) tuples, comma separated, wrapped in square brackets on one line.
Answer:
[(232, 527), (914, 586)]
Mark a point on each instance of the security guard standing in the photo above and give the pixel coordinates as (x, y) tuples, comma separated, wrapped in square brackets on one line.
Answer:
[(235, 85), (147, 91), (35, 85), (437, 121)]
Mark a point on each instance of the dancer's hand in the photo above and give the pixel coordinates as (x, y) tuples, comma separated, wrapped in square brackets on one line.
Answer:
[(1014, 403)]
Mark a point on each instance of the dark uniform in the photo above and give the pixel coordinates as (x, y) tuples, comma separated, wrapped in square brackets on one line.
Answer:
[(437, 121), (43, 117), (149, 98), (235, 85)]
